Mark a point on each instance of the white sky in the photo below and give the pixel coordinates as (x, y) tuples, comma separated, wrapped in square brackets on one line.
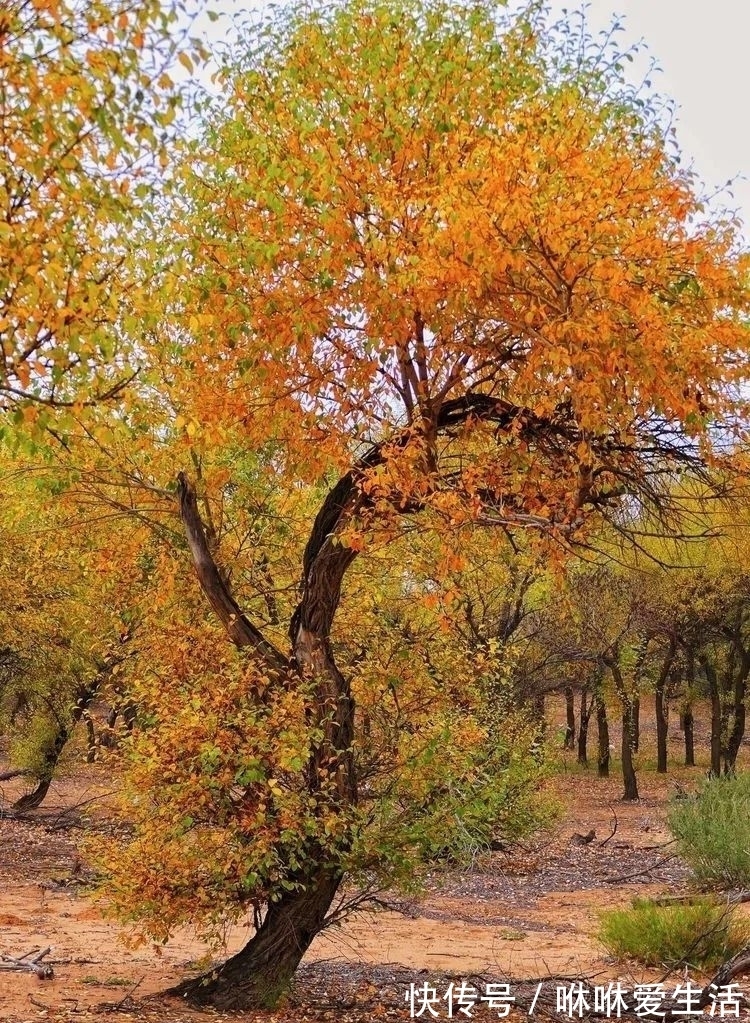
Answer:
[(703, 53)]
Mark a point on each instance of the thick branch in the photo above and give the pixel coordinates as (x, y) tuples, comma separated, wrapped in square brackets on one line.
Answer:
[(240, 629)]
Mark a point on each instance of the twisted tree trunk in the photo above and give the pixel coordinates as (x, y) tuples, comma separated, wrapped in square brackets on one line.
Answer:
[(34, 799), (259, 974)]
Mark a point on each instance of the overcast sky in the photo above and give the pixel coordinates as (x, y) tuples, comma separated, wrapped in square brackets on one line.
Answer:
[(702, 51)]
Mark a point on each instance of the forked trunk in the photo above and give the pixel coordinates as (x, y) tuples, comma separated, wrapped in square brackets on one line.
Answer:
[(259, 974), (262, 972)]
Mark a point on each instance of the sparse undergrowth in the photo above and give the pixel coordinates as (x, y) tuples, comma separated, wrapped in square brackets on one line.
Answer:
[(713, 831), (703, 933)]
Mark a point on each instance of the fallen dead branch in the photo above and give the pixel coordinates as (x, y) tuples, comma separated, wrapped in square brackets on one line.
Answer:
[(731, 898), (639, 873), (31, 962)]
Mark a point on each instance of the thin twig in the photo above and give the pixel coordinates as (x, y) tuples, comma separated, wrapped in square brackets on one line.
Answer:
[(638, 873), (614, 829)]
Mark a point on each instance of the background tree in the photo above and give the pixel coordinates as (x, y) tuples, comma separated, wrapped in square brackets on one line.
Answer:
[(64, 626), (86, 101)]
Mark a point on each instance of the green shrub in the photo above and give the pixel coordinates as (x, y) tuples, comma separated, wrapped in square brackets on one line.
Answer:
[(702, 933), (713, 831)]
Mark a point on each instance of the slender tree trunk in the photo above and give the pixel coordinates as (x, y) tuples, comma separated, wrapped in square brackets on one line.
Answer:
[(570, 718), (737, 733), (716, 717), (52, 755), (688, 727), (662, 708), (662, 731), (628, 769), (261, 972), (687, 718), (583, 730), (602, 725), (636, 723), (628, 726)]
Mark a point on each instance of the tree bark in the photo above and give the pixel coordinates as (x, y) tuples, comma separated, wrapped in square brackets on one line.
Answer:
[(716, 717), (570, 718), (630, 781), (687, 719), (636, 723), (662, 707), (240, 629), (736, 735), (583, 731), (602, 766), (261, 972), (688, 725), (628, 724)]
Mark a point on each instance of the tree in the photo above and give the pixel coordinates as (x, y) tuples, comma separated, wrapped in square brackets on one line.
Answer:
[(694, 605), (86, 101), (63, 628), (445, 255), (712, 625)]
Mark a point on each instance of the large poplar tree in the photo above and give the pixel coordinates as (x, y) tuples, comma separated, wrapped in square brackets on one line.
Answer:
[(449, 256)]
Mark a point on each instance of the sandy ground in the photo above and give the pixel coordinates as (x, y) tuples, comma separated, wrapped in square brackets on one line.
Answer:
[(527, 913)]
